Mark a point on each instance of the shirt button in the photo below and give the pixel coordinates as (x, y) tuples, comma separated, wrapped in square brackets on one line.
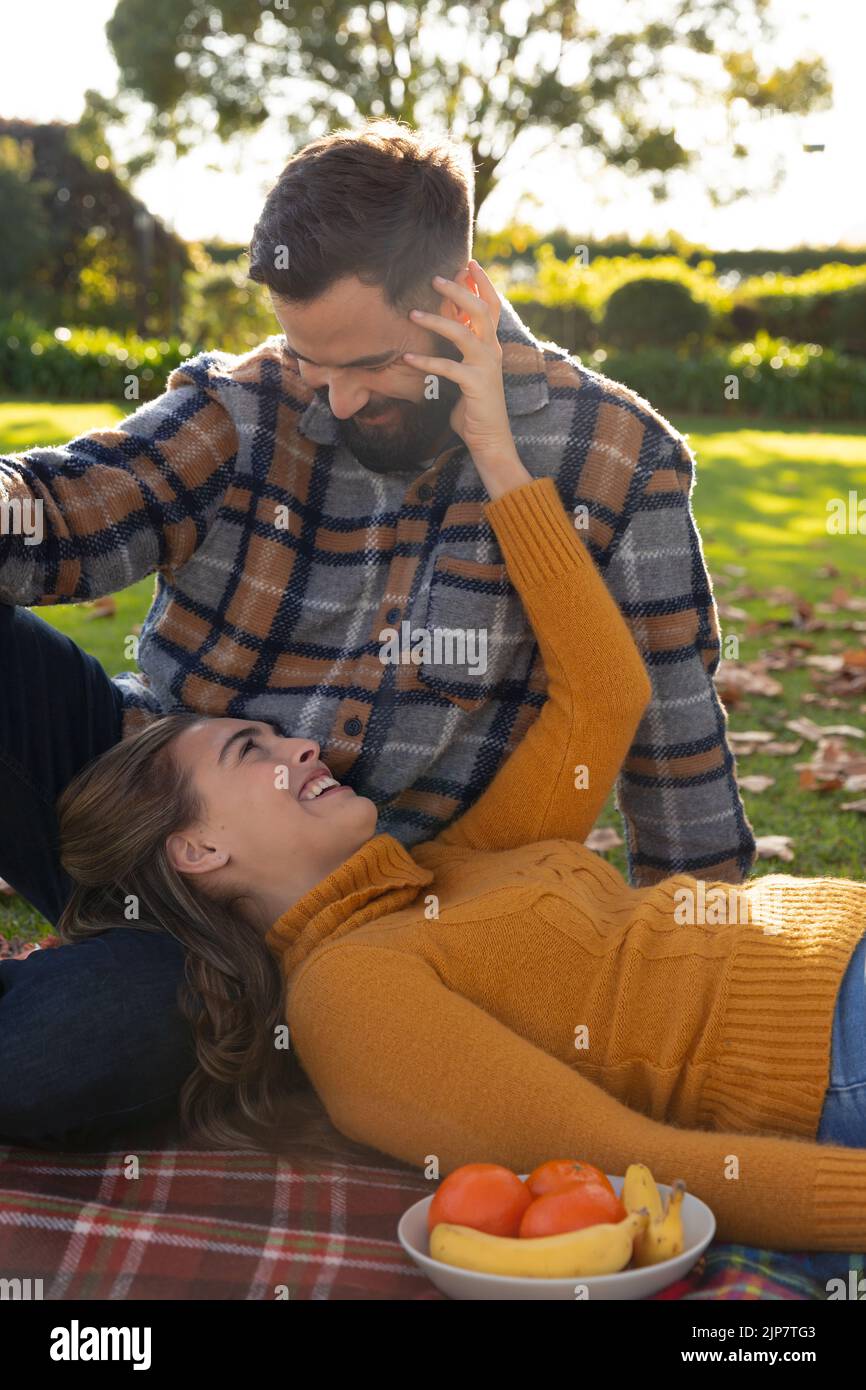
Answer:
[(352, 726), (392, 615), (425, 492)]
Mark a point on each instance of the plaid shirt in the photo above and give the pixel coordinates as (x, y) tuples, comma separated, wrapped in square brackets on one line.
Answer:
[(280, 562)]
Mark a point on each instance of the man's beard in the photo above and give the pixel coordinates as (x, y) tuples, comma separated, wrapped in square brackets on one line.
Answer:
[(418, 428)]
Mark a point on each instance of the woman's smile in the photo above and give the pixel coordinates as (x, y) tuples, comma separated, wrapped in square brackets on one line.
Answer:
[(329, 791), (319, 784)]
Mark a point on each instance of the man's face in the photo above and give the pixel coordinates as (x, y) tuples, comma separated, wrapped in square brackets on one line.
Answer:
[(349, 344)]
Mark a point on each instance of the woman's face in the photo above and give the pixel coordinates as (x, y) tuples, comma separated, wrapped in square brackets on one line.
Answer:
[(264, 824)]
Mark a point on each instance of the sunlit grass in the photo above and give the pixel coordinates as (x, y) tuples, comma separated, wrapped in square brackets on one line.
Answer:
[(761, 497), (29, 424)]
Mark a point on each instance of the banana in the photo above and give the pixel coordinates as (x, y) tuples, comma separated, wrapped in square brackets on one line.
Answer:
[(601, 1249), (639, 1192), (663, 1239)]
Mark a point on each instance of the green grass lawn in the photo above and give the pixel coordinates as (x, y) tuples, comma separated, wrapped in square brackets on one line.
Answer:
[(760, 502)]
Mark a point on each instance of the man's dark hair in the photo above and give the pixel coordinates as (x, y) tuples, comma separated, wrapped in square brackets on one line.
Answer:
[(382, 204)]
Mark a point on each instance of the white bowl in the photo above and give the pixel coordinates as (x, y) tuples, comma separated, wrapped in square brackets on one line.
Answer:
[(699, 1227)]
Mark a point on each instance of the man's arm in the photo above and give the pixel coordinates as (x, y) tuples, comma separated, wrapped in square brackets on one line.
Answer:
[(93, 516), (677, 792)]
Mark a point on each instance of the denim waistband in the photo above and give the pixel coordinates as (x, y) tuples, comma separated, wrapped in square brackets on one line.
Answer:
[(848, 1065)]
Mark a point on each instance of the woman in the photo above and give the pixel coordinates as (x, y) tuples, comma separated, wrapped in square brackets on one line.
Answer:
[(499, 993)]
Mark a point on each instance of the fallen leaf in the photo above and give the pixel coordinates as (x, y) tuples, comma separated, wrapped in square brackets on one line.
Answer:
[(105, 607), (757, 628), (808, 729), (809, 697), (831, 663), (831, 766), (602, 839), (774, 847), (803, 611), (755, 782), (816, 779), (734, 679)]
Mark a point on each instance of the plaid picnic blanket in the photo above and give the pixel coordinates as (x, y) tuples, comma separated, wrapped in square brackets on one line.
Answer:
[(191, 1224), (156, 1220)]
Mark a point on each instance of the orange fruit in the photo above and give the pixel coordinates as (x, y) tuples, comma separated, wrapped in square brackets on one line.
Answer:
[(485, 1196), (571, 1209), (558, 1173)]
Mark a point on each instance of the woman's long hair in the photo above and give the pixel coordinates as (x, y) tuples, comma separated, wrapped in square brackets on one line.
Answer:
[(114, 817)]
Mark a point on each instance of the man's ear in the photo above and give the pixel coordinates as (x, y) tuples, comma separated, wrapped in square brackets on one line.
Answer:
[(447, 308), (191, 855)]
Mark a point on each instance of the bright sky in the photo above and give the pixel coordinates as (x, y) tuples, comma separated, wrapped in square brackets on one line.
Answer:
[(52, 51)]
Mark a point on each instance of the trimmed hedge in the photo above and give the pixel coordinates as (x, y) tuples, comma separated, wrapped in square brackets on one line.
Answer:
[(774, 378), (790, 381), (566, 301), (653, 312), (84, 363), (521, 242)]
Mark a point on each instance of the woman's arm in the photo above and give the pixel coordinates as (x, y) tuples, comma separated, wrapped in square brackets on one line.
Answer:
[(557, 779), (407, 1066)]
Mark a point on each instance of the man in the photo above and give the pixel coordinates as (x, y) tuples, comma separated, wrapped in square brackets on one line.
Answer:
[(315, 526)]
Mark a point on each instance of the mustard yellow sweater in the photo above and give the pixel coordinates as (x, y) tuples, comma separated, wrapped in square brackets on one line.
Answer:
[(502, 994)]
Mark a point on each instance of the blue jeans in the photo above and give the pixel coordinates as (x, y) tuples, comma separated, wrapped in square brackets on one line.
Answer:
[(843, 1118), (92, 1039)]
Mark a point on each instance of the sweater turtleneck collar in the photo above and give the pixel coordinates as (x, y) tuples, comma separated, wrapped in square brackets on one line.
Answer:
[(379, 878)]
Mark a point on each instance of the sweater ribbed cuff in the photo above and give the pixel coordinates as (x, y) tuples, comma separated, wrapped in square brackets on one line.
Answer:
[(537, 537), (840, 1199)]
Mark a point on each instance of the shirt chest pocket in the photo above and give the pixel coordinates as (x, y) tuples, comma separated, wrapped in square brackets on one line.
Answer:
[(471, 636)]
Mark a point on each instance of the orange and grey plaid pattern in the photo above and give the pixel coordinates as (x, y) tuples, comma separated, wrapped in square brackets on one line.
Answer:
[(280, 562)]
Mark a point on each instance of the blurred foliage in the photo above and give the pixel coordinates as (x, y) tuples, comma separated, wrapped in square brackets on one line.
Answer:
[(75, 245), (652, 309), (566, 300), (75, 364), (25, 228), (774, 378), (483, 70), (520, 242), (789, 381), (591, 284), (223, 308)]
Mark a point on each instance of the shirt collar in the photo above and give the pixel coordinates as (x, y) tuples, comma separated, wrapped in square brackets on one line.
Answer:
[(378, 878), (523, 372)]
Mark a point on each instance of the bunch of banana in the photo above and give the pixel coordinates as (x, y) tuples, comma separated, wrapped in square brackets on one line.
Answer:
[(662, 1237), (602, 1249)]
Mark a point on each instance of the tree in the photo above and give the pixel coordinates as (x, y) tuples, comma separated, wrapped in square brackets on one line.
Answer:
[(485, 72), (25, 236), (75, 245)]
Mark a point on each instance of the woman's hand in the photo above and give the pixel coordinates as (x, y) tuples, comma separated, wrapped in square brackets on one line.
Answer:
[(480, 416)]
